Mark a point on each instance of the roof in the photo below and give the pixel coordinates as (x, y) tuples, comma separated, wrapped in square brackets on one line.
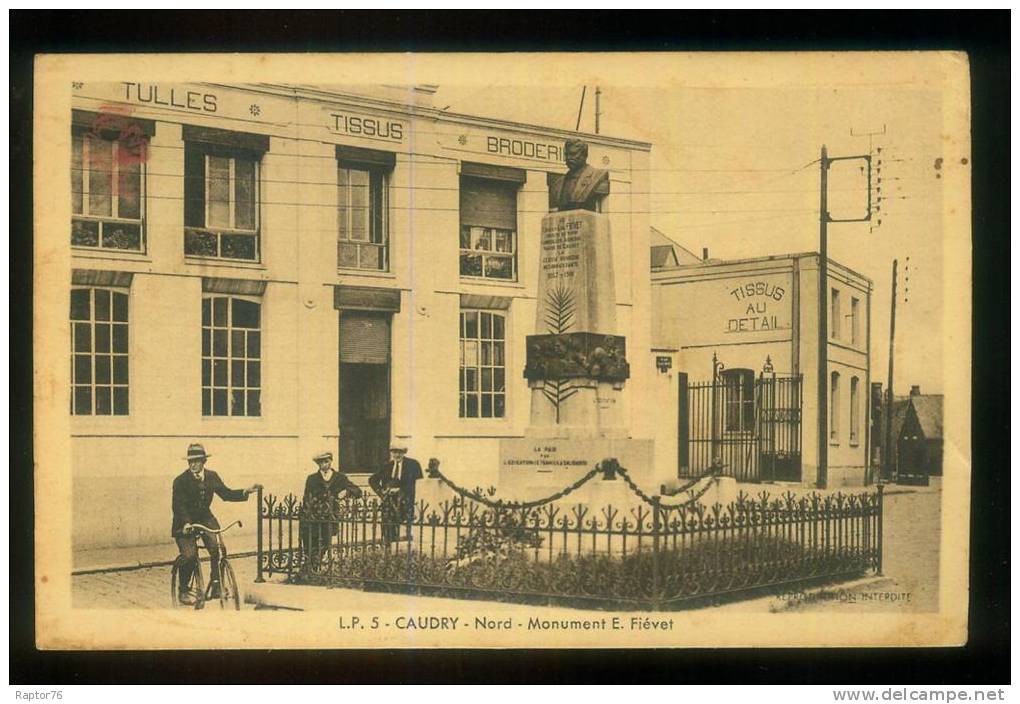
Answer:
[(928, 408), (667, 253), (663, 256), (898, 415)]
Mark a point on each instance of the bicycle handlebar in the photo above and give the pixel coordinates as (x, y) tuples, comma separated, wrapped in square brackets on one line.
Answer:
[(199, 526)]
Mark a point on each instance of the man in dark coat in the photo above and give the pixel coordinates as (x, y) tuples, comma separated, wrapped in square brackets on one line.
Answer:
[(319, 521), (394, 483), (193, 492)]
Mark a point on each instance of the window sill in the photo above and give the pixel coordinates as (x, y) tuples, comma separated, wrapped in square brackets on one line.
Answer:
[(855, 444), (833, 444), (120, 254), (501, 283), (366, 273), (220, 262)]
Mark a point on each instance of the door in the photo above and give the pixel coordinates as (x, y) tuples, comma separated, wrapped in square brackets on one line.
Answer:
[(364, 390)]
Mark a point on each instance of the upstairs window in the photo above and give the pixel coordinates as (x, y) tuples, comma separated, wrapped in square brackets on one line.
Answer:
[(108, 154), (855, 321), (488, 221), (834, 317), (362, 208), (739, 399), (221, 193)]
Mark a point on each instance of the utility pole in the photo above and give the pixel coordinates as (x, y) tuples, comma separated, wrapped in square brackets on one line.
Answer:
[(580, 109), (598, 107), (887, 444), (825, 161), (823, 322)]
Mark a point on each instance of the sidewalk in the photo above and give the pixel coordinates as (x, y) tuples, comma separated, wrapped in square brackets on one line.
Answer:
[(144, 556)]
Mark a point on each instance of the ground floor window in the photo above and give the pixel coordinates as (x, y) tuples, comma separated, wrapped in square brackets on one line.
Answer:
[(834, 407), (99, 352), (739, 399), (231, 356), (482, 364)]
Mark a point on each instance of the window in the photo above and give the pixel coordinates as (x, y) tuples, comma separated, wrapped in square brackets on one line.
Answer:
[(221, 193), (99, 352), (482, 364), (855, 320), (106, 191), (488, 221), (855, 412), (361, 217), (834, 407), (738, 399), (834, 317), (231, 356)]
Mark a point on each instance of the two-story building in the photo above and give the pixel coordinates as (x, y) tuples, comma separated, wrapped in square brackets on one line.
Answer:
[(738, 351), (275, 270)]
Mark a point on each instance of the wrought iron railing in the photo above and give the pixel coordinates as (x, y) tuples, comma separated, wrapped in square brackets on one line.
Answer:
[(654, 553)]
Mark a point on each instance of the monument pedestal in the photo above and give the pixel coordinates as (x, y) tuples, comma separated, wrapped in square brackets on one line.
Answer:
[(576, 370)]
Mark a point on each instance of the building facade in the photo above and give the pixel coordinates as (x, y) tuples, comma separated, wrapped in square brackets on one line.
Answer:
[(275, 270), (738, 351)]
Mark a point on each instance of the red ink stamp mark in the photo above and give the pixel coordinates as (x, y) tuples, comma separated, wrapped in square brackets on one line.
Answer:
[(134, 143)]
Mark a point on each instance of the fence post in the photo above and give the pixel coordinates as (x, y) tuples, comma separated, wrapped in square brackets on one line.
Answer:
[(258, 523), (880, 507), (656, 529), (683, 420)]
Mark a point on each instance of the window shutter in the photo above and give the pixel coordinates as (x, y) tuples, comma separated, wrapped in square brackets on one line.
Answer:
[(485, 203), (257, 144), (360, 158), (194, 187), (364, 338), (111, 125)]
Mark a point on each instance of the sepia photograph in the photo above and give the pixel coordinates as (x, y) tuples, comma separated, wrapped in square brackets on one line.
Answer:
[(502, 350)]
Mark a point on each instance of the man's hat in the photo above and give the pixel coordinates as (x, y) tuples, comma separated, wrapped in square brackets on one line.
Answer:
[(327, 455), (196, 452), (399, 445)]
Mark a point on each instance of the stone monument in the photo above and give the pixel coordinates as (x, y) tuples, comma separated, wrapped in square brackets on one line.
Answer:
[(576, 361)]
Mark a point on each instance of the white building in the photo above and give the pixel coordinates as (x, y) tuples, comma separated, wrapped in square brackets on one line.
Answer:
[(752, 326), (273, 270)]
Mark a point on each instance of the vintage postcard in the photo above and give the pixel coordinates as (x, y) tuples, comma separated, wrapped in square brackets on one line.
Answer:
[(502, 350)]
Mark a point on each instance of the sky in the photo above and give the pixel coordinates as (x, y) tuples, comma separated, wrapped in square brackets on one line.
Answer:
[(735, 167)]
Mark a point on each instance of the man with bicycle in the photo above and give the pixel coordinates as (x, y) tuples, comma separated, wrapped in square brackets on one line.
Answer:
[(193, 492)]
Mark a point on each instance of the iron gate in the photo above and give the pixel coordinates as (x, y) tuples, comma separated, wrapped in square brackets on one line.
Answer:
[(751, 425)]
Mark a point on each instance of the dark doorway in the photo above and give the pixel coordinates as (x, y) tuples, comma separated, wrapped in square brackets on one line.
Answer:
[(750, 425), (364, 390)]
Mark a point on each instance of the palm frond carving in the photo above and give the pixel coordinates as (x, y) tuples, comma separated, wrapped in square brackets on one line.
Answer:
[(558, 392), (559, 308)]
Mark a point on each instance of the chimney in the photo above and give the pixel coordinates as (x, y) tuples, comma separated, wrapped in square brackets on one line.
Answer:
[(704, 253), (915, 390)]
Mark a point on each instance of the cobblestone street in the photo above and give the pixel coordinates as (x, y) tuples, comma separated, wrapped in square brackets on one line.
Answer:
[(146, 588)]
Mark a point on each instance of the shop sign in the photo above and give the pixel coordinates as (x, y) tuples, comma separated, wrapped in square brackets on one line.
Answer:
[(352, 124), (758, 306), (184, 98)]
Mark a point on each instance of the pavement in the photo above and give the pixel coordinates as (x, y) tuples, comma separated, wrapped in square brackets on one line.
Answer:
[(140, 577)]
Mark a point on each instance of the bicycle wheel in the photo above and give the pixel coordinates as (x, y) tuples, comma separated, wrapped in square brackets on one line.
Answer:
[(194, 587), (230, 596), (174, 571)]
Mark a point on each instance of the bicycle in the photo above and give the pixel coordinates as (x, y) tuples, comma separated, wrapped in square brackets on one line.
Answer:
[(229, 593)]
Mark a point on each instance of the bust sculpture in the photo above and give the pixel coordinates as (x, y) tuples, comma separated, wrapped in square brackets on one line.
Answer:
[(582, 185)]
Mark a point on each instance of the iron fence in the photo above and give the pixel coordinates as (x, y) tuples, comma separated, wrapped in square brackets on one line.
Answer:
[(750, 424), (652, 554)]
